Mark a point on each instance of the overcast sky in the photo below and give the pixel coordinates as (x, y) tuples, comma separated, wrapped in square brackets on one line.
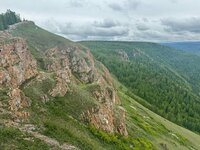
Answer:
[(138, 20)]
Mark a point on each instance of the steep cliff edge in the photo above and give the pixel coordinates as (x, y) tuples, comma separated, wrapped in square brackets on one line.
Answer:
[(67, 64)]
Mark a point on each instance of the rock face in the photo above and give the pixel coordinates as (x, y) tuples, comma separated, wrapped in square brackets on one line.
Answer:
[(123, 54), (16, 67), (69, 65), (105, 117), (59, 64), (72, 61), (83, 66), (68, 61)]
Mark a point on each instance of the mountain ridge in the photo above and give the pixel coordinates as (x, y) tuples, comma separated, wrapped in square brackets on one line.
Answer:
[(71, 97)]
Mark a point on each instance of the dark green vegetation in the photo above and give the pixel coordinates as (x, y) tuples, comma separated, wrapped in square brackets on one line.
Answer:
[(8, 18), (168, 79), (164, 134)]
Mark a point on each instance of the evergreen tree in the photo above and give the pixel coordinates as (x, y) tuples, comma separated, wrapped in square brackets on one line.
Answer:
[(8, 18)]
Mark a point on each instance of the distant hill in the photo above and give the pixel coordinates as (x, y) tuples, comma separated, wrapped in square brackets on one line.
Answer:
[(193, 47)]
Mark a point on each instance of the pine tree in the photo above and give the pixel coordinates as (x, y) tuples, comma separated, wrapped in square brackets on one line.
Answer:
[(8, 18)]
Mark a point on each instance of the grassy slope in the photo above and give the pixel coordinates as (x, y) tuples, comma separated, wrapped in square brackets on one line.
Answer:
[(60, 117), (167, 134), (162, 133), (11, 138)]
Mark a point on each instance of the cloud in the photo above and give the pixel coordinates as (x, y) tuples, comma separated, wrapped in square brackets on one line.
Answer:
[(92, 30), (116, 7), (106, 23), (142, 27), (113, 20), (77, 3), (182, 25), (126, 5)]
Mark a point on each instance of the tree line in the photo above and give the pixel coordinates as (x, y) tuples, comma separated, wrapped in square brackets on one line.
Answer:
[(8, 18)]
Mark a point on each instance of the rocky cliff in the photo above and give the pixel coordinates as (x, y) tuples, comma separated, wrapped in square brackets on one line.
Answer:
[(73, 61), (69, 64), (16, 67)]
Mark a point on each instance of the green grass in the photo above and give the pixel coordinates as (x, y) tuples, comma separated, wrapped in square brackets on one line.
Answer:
[(38, 37), (142, 121), (11, 138), (123, 143), (61, 118)]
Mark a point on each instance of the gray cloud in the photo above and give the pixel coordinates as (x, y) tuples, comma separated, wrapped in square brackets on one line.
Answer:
[(113, 20), (106, 23), (182, 25), (126, 5), (91, 31), (116, 7), (142, 27)]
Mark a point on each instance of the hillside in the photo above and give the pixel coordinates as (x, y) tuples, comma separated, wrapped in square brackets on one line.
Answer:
[(56, 95), (166, 78), (46, 81)]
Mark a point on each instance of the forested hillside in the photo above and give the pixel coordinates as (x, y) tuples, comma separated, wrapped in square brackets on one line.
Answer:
[(8, 18), (55, 95), (168, 79)]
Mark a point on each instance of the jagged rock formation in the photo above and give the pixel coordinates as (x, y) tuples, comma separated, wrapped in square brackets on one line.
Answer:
[(69, 64), (59, 64), (68, 61), (16, 67)]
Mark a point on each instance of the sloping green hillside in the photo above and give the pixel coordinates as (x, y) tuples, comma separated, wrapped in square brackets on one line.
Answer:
[(59, 118), (166, 78), (163, 133)]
